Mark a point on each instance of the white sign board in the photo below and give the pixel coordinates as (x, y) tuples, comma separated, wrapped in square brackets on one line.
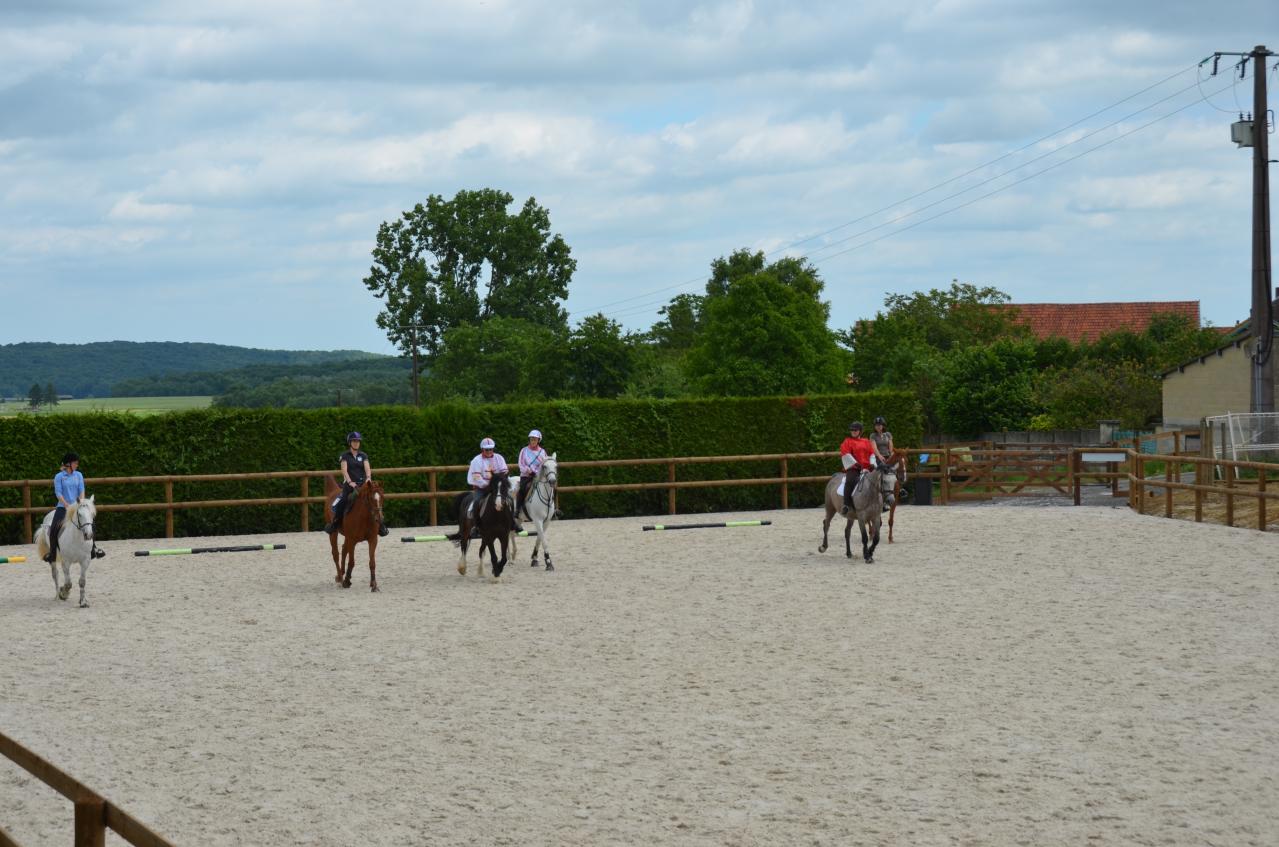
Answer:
[(1102, 457)]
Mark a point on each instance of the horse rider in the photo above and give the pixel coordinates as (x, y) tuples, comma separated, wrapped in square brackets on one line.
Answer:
[(883, 441), (355, 472), (68, 487), (486, 467), (863, 452), (532, 458)]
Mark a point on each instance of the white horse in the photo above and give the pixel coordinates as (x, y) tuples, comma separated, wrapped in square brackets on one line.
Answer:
[(75, 544), (540, 506)]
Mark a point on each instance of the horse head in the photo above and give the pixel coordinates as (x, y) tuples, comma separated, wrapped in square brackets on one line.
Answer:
[(500, 490), (550, 472), (373, 491), (83, 517)]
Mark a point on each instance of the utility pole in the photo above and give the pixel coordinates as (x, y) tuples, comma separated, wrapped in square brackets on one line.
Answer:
[(1255, 134)]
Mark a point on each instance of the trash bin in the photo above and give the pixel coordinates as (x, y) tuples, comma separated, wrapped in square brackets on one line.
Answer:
[(923, 494)]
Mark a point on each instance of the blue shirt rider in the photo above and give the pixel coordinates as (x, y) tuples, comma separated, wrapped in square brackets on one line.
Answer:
[(68, 488)]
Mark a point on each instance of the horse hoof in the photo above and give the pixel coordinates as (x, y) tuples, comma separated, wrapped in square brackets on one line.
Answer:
[(821, 549), (84, 604), (533, 563), (346, 583), (550, 567), (64, 592), (461, 569), (374, 588)]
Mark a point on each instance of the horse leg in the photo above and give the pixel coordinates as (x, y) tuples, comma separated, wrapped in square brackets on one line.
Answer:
[(500, 565), (892, 512), (848, 536), (65, 590), (484, 542), (537, 527), (874, 541), (337, 561), (348, 561), (546, 548), (57, 587), (84, 570), (830, 513), (373, 560)]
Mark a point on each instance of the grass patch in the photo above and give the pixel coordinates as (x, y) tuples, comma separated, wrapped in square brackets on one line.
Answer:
[(131, 405)]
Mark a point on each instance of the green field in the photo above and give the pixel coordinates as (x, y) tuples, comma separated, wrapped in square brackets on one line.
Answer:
[(132, 405)]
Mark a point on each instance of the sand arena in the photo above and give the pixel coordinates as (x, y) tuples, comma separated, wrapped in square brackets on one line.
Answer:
[(998, 676)]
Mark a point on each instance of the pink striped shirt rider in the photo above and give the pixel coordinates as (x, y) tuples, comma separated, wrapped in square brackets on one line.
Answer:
[(531, 460)]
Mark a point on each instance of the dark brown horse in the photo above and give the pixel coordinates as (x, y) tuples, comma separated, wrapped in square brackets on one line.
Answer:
[(492, 517), (361, 521)]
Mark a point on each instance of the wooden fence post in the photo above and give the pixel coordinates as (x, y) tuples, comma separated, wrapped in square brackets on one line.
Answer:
[(90, 823), (26, 516), (1176, 451), (1138, 483), (1199, 495), (1074, 474), (943, 467), (1230, 497), (1261, 500), (785, 492), (670, 492), (306, 507), (1168, 474), (168, 513), (434, 501)]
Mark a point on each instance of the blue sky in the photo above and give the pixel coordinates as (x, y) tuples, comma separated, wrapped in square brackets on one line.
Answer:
[(217, 171)]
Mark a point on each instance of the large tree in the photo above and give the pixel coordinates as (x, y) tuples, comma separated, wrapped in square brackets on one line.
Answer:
[(500, 359), (447, 263), (601, 359), (887, 348), (763, 330)]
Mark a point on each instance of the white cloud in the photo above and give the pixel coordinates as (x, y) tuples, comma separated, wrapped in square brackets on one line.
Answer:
[(131, 207)]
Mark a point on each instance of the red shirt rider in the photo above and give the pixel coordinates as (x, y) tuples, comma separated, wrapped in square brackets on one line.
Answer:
[(861, 449)]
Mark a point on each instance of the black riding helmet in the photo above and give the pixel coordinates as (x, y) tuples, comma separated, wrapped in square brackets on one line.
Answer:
[(353, 436), (856, 425), (879, 421), (70, 457)]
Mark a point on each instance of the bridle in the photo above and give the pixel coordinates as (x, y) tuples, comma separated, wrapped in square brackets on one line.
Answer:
[(85, 528), (545, 479)]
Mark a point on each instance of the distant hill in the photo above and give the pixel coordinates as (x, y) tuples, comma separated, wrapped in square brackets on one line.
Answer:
[(92, 370), (361, 382)]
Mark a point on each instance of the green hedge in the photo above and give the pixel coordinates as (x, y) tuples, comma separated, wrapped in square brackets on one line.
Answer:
[(210, 441)]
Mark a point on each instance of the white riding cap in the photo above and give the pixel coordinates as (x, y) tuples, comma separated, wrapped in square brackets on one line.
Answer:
[(535, 433), (487, 444)]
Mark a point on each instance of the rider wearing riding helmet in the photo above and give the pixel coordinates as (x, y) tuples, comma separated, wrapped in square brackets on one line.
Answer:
[(355, 472), (485, 467), (532, 458), (68, 488), (862, 451), (882, 439)]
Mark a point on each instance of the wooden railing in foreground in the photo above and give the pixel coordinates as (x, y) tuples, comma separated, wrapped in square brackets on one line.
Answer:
[(1237, 481), (94, 814)]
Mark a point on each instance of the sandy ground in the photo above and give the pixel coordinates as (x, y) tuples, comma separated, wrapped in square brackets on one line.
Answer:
[(1013, 676)]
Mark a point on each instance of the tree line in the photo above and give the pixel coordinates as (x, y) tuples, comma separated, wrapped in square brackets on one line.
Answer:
[(477, 292)]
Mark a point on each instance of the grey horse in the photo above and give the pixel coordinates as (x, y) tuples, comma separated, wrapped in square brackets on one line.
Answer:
[(868, 508)]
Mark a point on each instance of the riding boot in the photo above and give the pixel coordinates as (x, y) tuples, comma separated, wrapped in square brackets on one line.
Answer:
[(97, 552), (55, 530), (332, 526), (850, 484), (525, 483)]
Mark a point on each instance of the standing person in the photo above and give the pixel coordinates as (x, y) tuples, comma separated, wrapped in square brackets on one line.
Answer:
[(484, 467), (68, 488), (531, 459), (355, 472), (863, 453)]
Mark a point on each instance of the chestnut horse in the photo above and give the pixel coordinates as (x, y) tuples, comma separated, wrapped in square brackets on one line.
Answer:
[(360, 523), (898, 462)]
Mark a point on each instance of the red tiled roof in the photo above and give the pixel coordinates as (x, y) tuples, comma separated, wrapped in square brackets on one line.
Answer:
[(1077, 322)]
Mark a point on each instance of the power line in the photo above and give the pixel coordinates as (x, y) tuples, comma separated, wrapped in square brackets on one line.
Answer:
[(641, 308), (1041, 139)]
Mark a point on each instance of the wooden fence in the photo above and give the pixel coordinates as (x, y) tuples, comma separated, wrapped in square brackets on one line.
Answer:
[(961, 472), (94, 814), (433, 493)]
